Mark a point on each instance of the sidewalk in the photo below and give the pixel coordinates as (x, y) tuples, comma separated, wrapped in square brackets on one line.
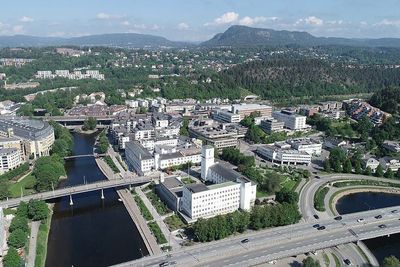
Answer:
[(32, 244)]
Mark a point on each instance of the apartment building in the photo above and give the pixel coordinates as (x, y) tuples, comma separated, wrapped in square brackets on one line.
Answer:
[(139, 158), (10, 158), (272, 125), (290, 119)]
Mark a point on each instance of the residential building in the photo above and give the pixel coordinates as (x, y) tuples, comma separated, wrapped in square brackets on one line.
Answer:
[(390, 163), (139, 158), (371, 162), (292, 120), (10, 158), (391, 146)]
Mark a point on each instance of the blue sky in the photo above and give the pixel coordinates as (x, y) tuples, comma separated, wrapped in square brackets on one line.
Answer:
[(197, 20)]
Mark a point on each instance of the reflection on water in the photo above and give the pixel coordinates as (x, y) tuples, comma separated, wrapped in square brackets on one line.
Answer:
[(93, 232)]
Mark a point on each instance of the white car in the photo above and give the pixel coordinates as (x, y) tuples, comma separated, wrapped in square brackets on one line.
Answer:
[(360, 220)]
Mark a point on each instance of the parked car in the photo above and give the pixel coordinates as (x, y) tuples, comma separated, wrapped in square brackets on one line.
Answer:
[(360, 220), (382, 226), (316, 216), (245, 240), (338, 218), (347, 261), (316, 225), (321, 228), (378, 216)]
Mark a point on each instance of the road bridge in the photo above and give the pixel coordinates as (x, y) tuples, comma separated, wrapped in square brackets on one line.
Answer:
[(84, 156), (78, 189), (282, 242)]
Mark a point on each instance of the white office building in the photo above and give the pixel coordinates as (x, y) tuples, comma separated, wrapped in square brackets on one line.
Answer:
[(284, 155), (272, 125), (164, 161), (139, 158), (225, 116), (307, 145), (292, 120), (231, 190)]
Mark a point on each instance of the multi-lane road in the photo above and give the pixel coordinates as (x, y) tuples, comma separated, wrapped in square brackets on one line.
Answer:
[(267, 245)]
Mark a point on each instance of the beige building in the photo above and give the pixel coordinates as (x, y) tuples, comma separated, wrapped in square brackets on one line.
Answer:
[(10, 158), (36, 137)]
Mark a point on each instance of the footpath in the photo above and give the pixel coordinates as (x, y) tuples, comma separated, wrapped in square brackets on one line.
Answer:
[(30, 260)]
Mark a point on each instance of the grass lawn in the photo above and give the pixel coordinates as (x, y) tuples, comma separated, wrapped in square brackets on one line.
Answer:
[(188, 180), (26, 184), (174, 222), (157, 233), (160, 206), (143, 209), (41, 243), (261, 193), (289, 184), (110, 163)]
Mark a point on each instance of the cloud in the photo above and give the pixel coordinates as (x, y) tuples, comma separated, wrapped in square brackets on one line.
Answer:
[(26, 19), (387, 22), (227, 18), (183, 26), (125, 23), (230, 18), (311, 20), (106, 16), (248, 21)]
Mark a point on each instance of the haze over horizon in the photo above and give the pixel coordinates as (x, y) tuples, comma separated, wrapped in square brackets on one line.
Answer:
[(193, 20)]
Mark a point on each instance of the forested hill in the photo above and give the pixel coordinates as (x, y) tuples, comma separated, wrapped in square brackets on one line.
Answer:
[(308, 78), (243, 36), (387, 99)]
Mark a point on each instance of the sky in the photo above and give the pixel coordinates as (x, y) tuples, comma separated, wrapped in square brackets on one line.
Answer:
[(199, 20)]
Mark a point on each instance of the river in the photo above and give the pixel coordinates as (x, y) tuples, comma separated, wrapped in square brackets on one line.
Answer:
[(381, 247), (92, 232)]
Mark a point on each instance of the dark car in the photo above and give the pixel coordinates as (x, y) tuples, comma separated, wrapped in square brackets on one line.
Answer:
[(394, 211), (245, 240), (347, 261), (382, 226), (338, 218), (165, 263), (316, 216), (378, 217), (316, 225), (321, 228)]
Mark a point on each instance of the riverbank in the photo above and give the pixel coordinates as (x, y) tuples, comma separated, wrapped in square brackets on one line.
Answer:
[(334, 198)]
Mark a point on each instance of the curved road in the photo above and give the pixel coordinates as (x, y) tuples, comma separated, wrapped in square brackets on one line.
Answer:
[(306, 205)]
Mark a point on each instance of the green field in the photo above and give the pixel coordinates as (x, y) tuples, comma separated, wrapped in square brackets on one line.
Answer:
[(26, 184)]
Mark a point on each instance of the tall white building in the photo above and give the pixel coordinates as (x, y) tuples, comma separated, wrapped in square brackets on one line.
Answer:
[(231, 190), (292, 120)]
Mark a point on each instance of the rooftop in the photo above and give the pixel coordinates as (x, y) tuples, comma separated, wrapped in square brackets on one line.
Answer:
[(197, 188)]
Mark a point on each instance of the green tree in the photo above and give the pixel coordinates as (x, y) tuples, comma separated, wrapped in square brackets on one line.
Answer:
[(17, 238), (89, 124), (184, 130), (368, 171), (4, 190), (287, 196), (379, 171), (398, 174), (327, 165), (357, 167), (12, 259), (310, 262), (391, 261), (19, 222), (347, 167), (38, 210), (389, 174)]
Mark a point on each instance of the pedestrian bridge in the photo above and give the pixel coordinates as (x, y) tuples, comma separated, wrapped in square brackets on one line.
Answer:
[(84, 156), (78, 189)]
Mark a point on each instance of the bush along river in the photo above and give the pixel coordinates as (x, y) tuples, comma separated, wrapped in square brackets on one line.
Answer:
[(91, 232)]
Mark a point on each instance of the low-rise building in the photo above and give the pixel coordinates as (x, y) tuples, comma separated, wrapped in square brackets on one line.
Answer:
[(310, 146), (282, 155), (183, 156), (391, 146), (390, 163), (371, 162), (225, 116), (272, 125), (245, 110)]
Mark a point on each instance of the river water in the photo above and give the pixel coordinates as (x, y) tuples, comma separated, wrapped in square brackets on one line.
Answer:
[(92, 232), (381, 247)]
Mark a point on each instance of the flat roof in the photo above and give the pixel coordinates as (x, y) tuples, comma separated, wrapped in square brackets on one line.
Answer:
[(216, 186), (197, 188)]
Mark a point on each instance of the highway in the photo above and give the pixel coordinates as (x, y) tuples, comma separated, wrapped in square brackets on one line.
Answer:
[(76, 190), (281, 242)]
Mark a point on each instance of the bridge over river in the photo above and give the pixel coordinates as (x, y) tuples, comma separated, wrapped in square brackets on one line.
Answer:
[(83, 188)]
